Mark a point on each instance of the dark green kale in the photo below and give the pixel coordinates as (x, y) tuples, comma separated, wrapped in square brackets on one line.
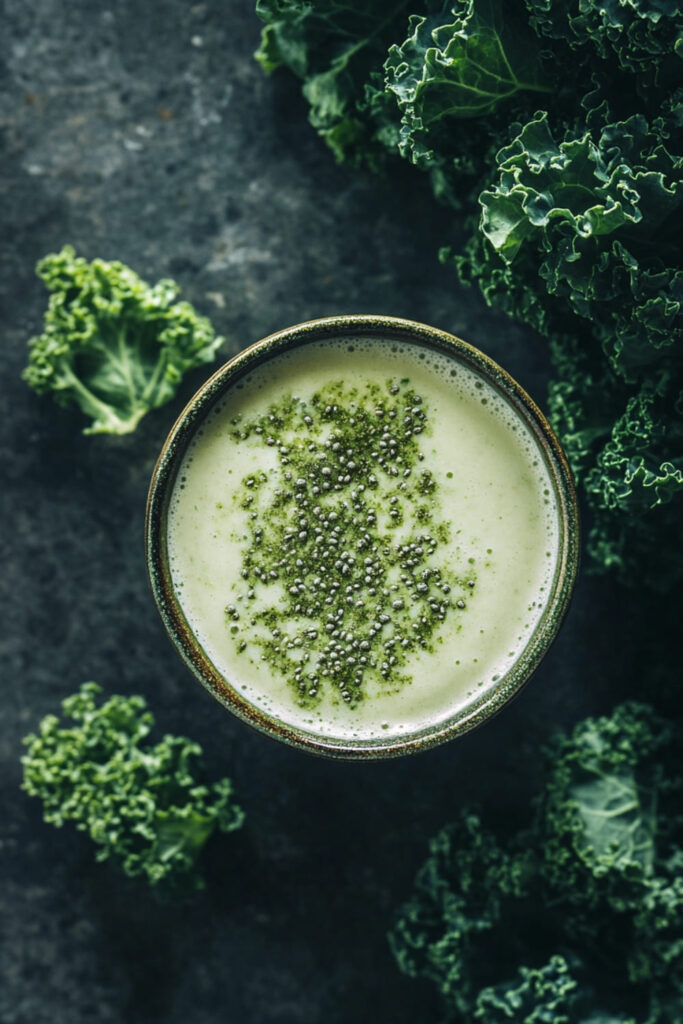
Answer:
[(535, 996), (465, 62), (113, 345), (643, 35), (333, 45), (144, 805), (579, 917)]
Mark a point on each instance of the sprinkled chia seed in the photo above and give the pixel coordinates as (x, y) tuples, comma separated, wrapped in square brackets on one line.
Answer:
[(364, 614)]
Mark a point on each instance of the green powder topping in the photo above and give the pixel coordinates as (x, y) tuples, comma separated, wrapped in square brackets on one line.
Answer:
[(342, 579)]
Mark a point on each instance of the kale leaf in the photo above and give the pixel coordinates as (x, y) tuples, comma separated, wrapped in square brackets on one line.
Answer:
[(461, 66), (113, 345), (143, 805), (537, 995), (577, 918), (644, 35), (333, 45), (579, 216)]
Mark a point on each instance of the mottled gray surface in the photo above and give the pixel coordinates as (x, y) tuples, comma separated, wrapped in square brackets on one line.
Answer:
[(143, 131)]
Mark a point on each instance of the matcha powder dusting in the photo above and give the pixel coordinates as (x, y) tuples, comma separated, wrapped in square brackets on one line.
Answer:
[(341, 581)]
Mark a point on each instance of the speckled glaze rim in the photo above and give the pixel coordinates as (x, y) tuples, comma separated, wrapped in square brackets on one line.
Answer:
[(161, 487)]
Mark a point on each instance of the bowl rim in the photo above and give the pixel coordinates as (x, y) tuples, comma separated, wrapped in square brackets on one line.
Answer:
[(163, 480)]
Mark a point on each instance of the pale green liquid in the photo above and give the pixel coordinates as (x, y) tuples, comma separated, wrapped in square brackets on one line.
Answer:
[(493, 486)]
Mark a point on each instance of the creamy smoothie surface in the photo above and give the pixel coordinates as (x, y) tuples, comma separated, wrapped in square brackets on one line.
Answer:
[(363, 537)]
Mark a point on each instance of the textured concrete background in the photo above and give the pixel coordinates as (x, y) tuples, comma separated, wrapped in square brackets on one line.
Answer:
[(142, 130)]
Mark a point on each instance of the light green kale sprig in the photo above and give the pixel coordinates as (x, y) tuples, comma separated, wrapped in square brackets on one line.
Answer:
[(112, 344), (143, 805)]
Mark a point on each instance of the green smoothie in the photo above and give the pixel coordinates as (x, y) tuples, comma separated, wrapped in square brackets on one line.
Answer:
[(362, 537)]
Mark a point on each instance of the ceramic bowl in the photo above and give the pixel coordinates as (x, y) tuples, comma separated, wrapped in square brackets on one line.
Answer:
[(170, 607)]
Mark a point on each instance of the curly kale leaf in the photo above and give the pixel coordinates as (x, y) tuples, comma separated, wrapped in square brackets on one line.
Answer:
[(579, 216), (625, 444), (535, 996), (461, 896), (549, 994), (462, 63), (334, 46), (144, 805), (599, 807), (636, 486), (448, 92), (645, 36), (113, 345), (577, 918), (612, 828)]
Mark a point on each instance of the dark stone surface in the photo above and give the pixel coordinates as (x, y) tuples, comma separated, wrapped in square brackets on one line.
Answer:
[(142, 130)]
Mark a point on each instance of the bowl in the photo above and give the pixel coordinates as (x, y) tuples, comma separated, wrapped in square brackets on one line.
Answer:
[(414, 340)]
